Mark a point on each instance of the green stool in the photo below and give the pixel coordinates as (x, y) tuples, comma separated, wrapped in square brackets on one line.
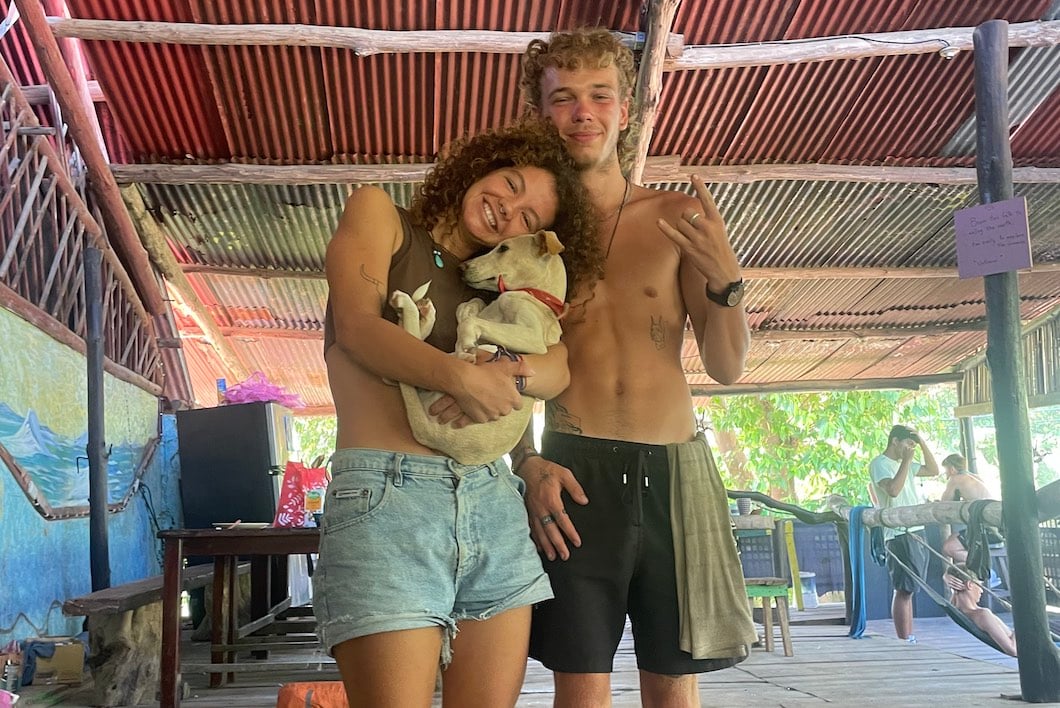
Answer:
[(777, 589)]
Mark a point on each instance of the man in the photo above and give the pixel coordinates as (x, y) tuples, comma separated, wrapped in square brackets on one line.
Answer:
[(599, 494), (893, 474), (962, 485)]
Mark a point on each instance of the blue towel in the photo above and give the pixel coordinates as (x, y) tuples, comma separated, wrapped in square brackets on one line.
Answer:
[(857, 572)]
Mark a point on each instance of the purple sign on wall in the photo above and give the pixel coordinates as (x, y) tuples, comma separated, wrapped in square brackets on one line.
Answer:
[(992, 238)]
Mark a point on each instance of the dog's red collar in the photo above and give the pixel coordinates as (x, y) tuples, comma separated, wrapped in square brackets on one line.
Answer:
[(548, 299)]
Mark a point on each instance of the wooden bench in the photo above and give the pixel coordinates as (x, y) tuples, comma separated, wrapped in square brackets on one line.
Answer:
[(124, 624)]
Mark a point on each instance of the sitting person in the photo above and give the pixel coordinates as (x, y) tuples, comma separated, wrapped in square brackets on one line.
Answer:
[(966, 595), (962, 485)]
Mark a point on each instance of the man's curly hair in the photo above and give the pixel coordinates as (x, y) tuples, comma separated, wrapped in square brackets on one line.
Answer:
[(583, 48), (528, 143)]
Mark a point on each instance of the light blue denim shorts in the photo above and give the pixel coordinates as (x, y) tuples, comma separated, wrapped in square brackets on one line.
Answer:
[(410, 541)]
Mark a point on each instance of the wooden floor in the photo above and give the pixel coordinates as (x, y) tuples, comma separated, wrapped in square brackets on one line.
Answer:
[(946, 667)]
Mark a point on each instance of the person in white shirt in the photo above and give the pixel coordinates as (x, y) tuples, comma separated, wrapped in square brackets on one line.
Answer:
[(892, 474)]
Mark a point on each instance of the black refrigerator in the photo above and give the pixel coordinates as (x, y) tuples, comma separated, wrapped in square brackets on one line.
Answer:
[(231, 462)]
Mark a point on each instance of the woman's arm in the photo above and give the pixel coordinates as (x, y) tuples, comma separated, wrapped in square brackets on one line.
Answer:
[(357, 265)]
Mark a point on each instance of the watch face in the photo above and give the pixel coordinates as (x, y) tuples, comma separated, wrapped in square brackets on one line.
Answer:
[(735, 294)]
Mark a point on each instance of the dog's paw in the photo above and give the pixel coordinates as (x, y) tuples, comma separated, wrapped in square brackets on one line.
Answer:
[(402, 302), (469, 309)]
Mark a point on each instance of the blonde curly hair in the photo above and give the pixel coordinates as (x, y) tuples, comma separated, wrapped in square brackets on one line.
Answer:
[(583, 48), (528, 143)]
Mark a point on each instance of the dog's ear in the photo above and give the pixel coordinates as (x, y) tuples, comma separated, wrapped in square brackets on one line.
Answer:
[(549, 243)]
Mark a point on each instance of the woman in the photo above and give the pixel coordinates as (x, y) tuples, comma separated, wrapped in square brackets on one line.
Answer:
[(422, 557), (962, 485)]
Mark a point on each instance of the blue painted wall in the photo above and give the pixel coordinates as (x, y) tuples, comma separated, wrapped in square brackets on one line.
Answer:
[(42, 562)]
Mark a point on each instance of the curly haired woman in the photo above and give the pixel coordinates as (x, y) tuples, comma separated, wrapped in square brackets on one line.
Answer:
[(424, 559)]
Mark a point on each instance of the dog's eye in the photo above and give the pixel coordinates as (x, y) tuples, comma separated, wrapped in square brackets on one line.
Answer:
[(502, 248)]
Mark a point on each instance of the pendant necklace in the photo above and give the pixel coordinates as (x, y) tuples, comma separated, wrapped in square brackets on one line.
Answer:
[(614, 229), (438, 262)]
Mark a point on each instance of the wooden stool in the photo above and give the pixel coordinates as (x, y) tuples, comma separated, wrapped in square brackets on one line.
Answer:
[(776, 588)]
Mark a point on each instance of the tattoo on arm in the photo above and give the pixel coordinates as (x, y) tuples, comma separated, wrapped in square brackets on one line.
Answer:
[(558, 418), (658, 332), (379, 287)]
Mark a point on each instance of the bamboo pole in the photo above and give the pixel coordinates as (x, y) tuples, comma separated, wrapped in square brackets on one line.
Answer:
[(1039, 661), (931, 513), (99, 553), (907, 382)]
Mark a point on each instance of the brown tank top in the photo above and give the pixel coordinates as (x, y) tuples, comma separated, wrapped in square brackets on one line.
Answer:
[(411, 266)]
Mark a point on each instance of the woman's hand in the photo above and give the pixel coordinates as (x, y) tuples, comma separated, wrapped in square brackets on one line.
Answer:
[(482, 393)]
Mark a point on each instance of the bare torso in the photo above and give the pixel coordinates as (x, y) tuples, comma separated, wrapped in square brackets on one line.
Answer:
[(966, 487), (625, 344), (370, 413)]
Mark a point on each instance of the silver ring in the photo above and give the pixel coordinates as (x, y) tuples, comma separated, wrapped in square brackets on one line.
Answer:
[(520, 383), (692, 219), (547, 519)]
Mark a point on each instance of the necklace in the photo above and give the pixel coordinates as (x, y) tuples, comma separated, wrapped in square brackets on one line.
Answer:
[(614, 229), (438, 262)]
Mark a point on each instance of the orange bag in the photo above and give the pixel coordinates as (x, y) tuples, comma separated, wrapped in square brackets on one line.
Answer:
[(312, 694)]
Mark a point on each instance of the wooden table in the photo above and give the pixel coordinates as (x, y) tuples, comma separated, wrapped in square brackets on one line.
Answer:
[(268, 592)]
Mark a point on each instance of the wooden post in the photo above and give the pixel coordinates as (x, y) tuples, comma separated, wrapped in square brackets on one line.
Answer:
[(968, 443), (1039, 661), (99, 553), (649, 80)]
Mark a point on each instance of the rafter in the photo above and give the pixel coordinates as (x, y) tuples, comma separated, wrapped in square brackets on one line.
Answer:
[(656, 170), (907, 382), (363, 42)]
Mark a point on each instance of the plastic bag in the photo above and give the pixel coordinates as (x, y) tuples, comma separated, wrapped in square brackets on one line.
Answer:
[(301, 495), (258, 388)]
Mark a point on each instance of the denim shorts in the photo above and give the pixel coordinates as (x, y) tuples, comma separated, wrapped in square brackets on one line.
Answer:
[(412, 541)]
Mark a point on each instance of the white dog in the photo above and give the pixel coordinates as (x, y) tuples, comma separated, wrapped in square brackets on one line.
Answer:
[(524, 319)]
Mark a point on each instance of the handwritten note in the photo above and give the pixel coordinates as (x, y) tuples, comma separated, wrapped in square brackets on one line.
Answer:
[(992, 238)]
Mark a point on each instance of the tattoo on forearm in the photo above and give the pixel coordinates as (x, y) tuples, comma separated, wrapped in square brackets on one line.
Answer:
[(558, 418), (658, 332)]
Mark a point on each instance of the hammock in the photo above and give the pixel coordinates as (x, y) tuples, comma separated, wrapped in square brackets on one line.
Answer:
[(956, 615)]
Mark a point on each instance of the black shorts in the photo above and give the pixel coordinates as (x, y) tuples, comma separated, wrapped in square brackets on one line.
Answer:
[(913, 554), (625, 564)]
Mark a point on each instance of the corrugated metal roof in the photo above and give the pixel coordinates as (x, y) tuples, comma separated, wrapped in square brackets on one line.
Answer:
[(287, 105)]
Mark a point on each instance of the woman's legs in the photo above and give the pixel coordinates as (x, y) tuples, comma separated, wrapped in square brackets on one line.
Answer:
[(489, 661), (391, 669)]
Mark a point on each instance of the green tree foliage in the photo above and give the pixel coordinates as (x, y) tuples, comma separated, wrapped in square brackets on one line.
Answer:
[(316, 436), (802, 447)]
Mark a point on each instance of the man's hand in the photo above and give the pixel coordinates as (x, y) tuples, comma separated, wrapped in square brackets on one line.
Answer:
[(701, 236), (907, 450), (545, 483)]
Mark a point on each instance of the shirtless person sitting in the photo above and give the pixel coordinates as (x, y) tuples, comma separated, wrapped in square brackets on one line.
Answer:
[(961, 485)]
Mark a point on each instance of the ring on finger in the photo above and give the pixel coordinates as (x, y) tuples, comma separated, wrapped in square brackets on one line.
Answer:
[(547, 519), (520, 383), (692, 219)]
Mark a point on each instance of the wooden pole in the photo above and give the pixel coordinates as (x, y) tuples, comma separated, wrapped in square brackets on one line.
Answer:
[(99, 553), (1039, 661), (649, 81)]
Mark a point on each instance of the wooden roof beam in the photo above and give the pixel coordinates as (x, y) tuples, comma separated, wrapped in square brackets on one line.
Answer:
[(906, 382), (155, 243), (750, 272), (363, 42), (945, 41), (656, 170), (41, 94)]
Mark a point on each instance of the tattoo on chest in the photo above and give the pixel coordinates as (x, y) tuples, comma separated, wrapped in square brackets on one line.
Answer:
[(658, 332), (558, 418)]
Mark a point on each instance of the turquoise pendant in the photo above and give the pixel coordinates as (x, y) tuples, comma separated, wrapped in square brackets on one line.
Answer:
[(438, 259)]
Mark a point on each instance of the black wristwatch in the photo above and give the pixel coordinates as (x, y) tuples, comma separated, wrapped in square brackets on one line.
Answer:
[(730, 296)]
